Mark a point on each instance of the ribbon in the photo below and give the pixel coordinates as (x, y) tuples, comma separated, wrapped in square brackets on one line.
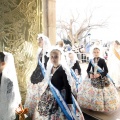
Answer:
[(100, 71)]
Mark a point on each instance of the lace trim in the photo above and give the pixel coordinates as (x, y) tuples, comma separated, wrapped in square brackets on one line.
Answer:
[(9, 87), (69, 77), (71, 64)]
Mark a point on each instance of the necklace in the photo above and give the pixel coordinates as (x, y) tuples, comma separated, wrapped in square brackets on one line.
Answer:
[(56, 67)]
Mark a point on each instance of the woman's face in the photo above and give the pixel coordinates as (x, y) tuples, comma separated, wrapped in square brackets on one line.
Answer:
[(96, 52), (71, 56), (55, 58), (40, 42), (2, 64), (116, 45)]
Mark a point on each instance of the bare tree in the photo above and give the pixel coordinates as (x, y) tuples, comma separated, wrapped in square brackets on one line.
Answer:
[(81, 31)]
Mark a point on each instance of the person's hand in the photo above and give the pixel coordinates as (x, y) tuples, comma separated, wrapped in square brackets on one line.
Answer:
[(91, 76), (19, 109), (96, 75)]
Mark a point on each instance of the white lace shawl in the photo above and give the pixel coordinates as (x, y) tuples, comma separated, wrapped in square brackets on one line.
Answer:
[(9, 91), (46, 46), (69, 62), (63, 64)]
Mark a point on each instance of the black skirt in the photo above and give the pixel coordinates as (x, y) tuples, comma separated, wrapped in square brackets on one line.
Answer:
[(37, 75)]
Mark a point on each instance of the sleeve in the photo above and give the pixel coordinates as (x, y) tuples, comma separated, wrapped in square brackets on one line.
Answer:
[(105, 69), (89, 68), (78, 67), (68, 97)]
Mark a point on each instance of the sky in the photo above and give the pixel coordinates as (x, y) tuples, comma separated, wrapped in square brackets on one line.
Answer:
[(104, 10)]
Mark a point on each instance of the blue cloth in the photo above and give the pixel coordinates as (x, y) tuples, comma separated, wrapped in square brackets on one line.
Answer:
[(42, 68), (61, 102), (77, 80), (87, 48)]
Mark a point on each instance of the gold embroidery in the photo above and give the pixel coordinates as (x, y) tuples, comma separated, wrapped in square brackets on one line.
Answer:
[(20, 22)]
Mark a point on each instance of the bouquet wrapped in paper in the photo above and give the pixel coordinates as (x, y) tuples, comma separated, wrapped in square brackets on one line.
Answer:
[(21, 112)]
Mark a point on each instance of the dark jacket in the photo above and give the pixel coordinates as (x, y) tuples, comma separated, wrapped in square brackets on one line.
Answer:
[(101, 64), (77, 66), (59, 80)]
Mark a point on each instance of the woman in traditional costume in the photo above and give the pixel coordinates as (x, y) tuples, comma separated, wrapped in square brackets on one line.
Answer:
[(75, 69), (97, 92), (114, 63), (73, 63), (56, 102), (97, 44), (10, 98), (35, 83)]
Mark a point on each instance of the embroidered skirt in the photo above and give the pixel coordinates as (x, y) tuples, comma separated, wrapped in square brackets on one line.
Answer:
[(103, 100), (48, 109), (33, 96)]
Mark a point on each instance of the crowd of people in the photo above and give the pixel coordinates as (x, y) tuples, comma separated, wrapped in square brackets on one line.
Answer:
[(84, 51), (56, 89)]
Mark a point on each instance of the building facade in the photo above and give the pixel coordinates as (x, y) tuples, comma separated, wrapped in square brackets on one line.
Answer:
[(20, 22)]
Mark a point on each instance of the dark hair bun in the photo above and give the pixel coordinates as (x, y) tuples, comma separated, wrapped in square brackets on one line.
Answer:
[(2, 56)]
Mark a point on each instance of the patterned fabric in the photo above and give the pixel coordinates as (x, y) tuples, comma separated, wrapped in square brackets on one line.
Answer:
[(103, 100), (57, 116), (100, 83), (8, 100), (35, 88), (47, 104), (74, 86), (33, 96), (9, 87), (48, 108)]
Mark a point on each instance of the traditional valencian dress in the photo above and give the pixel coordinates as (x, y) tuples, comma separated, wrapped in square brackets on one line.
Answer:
[(35, 83), (56, 96), (75, 70), (49, 106), (9, 92), (104, 98), (34, 86), (114, 65)]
